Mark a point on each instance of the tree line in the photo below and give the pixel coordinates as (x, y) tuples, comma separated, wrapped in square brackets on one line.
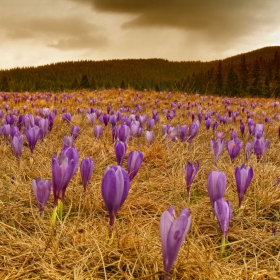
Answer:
[(255, 73)]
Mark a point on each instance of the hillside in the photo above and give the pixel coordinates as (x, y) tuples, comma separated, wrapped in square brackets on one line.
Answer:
[(255, 73)]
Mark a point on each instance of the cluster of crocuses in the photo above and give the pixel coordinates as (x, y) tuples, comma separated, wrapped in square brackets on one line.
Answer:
[(34, 128)]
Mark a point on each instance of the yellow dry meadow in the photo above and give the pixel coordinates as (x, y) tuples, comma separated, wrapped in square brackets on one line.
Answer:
[(77, 248)]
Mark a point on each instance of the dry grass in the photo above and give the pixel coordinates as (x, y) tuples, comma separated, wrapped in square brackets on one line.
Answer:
[(77, 248)]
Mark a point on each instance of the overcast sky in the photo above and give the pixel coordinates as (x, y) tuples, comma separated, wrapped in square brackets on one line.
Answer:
[(38, 32)]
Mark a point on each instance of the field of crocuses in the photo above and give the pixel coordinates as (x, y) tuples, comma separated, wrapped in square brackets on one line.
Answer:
[(139, 185)]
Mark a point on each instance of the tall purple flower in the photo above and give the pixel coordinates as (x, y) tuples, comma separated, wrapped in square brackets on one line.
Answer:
[(183, 133), (243, 178), (86, 169), (216, 185), (120, 150), (115, 187), (190, 173), (234, 147), (173, 232), (134, 162), (32, 134), (42, 191), (63, 169)]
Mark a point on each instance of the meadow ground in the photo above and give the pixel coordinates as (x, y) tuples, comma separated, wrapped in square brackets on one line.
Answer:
[(77, 247)]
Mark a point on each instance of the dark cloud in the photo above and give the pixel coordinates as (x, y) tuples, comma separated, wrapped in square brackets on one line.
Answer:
[(62, 33), (215, 19)]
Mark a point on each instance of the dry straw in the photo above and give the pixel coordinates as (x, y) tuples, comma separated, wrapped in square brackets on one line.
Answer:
[(77, 247)]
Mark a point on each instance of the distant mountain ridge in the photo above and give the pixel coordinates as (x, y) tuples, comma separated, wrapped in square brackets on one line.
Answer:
[(254, 73)]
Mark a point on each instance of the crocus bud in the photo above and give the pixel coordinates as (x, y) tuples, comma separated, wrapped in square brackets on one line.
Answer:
[(63, 169), (120, 150), (42, 190), (75, 131), (223, 212), (243, 178), (216, 185), (134, 162), (234, 147), (115, 187), (149, 136), (190, 173), (86, 170), (32, 134), (173, 232), (216, 148), (17, 145), (97, 131)]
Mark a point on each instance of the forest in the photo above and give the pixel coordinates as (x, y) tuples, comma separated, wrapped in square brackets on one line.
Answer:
[(251, 74)]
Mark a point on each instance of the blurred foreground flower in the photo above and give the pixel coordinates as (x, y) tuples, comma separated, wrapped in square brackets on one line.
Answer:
[(115, 187), (173, 233), (243, 178), (42, 191), (190, 173)]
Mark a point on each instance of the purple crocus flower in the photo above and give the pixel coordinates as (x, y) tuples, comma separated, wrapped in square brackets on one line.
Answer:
[(17, 145), (134, 162), (32, 134), (44, 125), (193, 129), (75, 131), (123, 132), (260, 146), (114, 189), (242, 128), (243, 178), (151, 123), (86, 169), (234, 147), (67, 141), (248, 151), (91, 117), (216, 185), (105, 119), (259, 130), (97, 131), (149, 136), (183, 133), (42, 191), (67, 117), (173, 232), (223, 212), (208, 122), (63, 169), (216, 147), (190, 173), (120, 150)]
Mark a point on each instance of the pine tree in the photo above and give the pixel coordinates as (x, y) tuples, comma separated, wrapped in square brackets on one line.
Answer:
[(243, 75), (84, 82), (257, 83), (232, 83), (219, 83)]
